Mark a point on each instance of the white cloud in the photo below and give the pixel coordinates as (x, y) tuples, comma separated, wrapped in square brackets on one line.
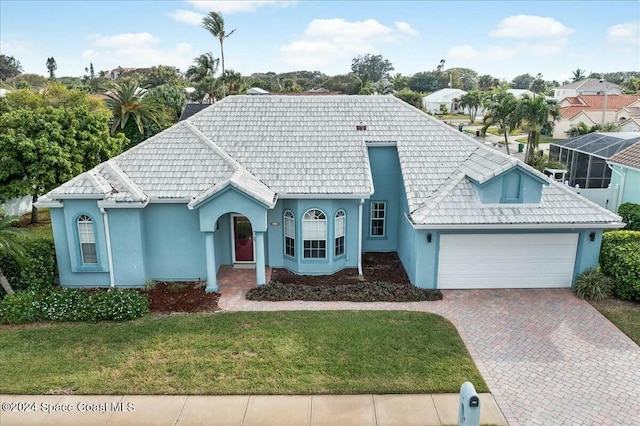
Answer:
[(13, 47), (329, 41), (90, 54), (491, 53), (627, 33), (530, 27), (235, 6), (405, 28), (463, 51), (188, 16), (125, 40)]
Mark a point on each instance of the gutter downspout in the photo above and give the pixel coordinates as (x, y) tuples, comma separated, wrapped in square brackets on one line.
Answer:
[(360, 237), (112, 281), (620, 187)]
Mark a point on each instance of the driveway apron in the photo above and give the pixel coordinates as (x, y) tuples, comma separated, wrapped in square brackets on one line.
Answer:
[(548, 357)]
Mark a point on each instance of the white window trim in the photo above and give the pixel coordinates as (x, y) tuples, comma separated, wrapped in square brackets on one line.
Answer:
[(289, 223), (314, 221), (86, 237), (383, 219), (340, 228)]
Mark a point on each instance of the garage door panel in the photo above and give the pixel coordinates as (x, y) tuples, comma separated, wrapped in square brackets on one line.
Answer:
[(506, 260)]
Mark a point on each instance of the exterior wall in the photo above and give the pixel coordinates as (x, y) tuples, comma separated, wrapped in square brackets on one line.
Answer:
[(492, 191), (127, 247), (174, 245), (628, 184), (298, 264), (387, 181), (65, 232)]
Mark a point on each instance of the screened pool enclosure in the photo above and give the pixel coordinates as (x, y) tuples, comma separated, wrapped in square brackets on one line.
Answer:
[(586, 156)]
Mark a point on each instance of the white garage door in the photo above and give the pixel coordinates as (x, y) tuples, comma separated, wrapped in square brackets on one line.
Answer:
[(506, 260)]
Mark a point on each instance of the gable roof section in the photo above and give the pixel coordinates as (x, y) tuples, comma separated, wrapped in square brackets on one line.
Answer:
[(589, 84), (444, 95), (596, 103), (629, 157)]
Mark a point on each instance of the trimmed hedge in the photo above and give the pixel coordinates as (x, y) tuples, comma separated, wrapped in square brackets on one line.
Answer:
[(620, 260), (630, 213), (376, 291), (72, 304), (37, 271)]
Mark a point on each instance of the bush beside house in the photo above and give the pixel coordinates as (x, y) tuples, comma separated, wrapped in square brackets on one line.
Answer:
[(630, 213), (620, 260)]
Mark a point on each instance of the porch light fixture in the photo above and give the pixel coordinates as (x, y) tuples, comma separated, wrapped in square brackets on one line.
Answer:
[(429, 237), (275, 223), (592, 236)]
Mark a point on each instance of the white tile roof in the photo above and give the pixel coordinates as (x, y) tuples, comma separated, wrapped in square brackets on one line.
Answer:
[(286, 146)]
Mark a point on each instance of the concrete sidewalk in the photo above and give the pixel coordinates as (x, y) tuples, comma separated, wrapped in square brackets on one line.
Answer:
[(241, 410)]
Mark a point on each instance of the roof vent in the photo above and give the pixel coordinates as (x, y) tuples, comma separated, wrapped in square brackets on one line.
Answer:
[(361, 126)]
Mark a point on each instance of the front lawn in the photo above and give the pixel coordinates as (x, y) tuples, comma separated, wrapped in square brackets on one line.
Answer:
[(239, 353), (624, 314)]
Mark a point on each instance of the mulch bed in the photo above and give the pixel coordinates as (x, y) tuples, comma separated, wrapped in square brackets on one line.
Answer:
[(170, 297)]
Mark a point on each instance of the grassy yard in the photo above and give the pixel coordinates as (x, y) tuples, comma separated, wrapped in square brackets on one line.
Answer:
[(625, 315), (240, 353), (40, 230), (541, 140), (495, 131)]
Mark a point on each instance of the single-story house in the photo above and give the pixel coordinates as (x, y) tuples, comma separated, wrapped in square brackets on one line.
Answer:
[(626, 175), (438, 101), (592, 110), (309, 183)]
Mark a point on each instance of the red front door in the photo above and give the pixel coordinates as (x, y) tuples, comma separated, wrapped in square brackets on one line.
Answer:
[(242, 239)]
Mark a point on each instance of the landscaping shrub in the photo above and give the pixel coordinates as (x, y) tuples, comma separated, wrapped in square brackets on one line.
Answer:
[(376, 291), (593, 285), (620, 260), (630, 213), (72, 304), (37, 271)]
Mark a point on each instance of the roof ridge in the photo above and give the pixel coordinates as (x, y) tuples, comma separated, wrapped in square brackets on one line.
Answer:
[(125, 179), (213, 146), (94, 180), (440, 194)]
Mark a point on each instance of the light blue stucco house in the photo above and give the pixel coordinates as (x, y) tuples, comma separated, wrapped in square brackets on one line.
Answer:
[(308, 183), (625, 176)]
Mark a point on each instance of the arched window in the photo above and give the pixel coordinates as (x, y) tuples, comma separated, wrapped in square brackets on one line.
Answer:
[(87, 239), (314, 234), (289, 233), (339, 229)]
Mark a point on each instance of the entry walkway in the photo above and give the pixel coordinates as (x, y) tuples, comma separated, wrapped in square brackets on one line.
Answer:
[(548, 357), (242, 410)]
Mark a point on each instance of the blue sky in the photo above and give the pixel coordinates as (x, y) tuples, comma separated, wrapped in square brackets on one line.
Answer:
[(501, 38)]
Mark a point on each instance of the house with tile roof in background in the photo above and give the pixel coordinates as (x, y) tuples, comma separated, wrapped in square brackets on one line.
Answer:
[(596, 109), (588, 86), (309, 183)]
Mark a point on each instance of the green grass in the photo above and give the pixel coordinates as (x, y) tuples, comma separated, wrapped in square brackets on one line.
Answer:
[(625, 315), (240, 353), (40, 230), (541, 140), (496, 132)]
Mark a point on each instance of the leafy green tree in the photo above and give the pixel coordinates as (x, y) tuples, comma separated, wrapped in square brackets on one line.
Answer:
[(236, 84), (579, 74), (127, 101), (487, 82), (44, 147), (9, 67), (28, 81), (203, 66), (52, 66), (538, 85), (424, 82), (400, 81), (374, 65), (534, 114), (582, 129), (468, 78), (410, 97), (631, 85), (523, 81), (500, 107), (156, 76), (214, 23), (348, 84), (472, 101), (9, 245)]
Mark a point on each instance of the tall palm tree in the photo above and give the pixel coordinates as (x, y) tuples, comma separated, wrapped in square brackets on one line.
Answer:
[(532, 114), (9, 244), (203, 66), (473, 101), (214, 23), (500, 108), (235, 82), (127, 101), (579, 74)]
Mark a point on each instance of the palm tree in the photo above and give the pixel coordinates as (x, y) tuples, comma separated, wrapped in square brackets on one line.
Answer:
[(578, 130), (127, 101), (9, 244), (234, 82), (472, 100), (533, 114), (203, 66), (500, 107), (214, 23), (578, 74)]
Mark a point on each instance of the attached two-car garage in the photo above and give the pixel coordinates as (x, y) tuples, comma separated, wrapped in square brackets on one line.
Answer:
[(469, 261)]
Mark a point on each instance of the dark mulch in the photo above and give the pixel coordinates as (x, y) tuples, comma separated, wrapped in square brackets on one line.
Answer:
[(169, 297), (385, 280)]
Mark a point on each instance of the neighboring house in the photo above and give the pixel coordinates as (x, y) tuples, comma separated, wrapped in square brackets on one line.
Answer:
[(436, 102), (309, 183), (589, 86), (592, 110), (626, 175), (117, 72)]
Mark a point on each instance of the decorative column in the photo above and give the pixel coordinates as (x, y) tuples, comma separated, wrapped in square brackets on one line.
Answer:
[(212, 281), (260, 265)]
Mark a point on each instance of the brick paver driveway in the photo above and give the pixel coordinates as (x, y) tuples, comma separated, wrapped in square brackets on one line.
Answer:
[(548, 357)]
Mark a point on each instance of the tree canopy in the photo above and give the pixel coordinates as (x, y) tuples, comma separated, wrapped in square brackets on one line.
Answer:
[(9, 67), (373, 66)]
